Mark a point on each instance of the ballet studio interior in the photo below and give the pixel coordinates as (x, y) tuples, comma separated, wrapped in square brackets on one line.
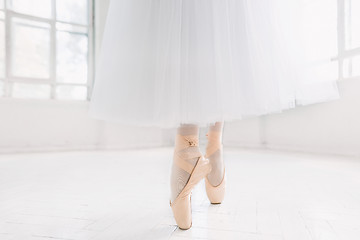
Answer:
[(79, 161)]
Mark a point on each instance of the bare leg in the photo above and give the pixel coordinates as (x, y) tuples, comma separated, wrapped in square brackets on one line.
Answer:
[(180, 177), (216, 160)]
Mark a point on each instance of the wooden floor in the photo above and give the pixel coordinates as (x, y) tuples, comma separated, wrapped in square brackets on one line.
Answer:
[(112, 195)]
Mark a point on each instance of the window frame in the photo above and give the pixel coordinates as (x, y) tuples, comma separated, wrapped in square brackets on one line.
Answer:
[(8, 80)]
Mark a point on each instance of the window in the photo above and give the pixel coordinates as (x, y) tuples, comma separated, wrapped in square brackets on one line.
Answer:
[(46, 49), (349, 38)]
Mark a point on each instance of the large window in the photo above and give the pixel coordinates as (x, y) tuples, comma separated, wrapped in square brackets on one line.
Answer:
[(46, 49)]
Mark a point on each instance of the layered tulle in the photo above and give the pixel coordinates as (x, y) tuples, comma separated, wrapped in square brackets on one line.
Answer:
[(166, 62)]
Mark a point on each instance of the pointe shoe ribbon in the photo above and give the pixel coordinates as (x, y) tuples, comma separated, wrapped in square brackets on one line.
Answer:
[(190, 143), (215, 193), (181, 206), (214, 143)]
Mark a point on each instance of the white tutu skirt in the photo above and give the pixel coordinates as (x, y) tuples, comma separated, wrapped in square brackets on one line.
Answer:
[(167, 62)]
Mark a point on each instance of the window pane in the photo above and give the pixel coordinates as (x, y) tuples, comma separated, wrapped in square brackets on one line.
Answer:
[(71, 92), (2, 49), (71, 57), (30, 49), (72, 11), (352, 8), (40, 8), (23, 90)]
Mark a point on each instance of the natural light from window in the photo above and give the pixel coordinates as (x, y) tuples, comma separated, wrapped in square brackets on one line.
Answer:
[(45, 49)]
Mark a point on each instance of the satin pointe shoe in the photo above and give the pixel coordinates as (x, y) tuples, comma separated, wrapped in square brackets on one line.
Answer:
[(215, 193), (181, 206)]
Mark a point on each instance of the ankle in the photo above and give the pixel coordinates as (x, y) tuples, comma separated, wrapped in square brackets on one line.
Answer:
[(214, 134), (186, 142), (216, 127), (188, 129)]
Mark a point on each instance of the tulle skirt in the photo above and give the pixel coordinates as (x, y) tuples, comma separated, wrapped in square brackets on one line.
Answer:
[(167, 62)]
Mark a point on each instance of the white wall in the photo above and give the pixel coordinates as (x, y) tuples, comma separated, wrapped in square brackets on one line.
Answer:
[(36, 125), (332, 127)]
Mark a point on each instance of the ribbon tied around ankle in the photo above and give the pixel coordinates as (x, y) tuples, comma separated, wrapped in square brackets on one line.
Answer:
[(186, 148), (193, 142), (214, 143)]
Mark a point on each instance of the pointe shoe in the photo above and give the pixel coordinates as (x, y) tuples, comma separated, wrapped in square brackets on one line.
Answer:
[(215, 194), (181, 206)]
